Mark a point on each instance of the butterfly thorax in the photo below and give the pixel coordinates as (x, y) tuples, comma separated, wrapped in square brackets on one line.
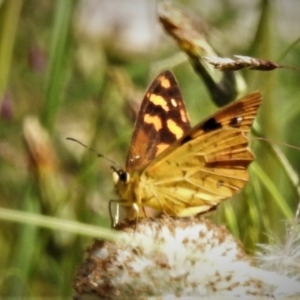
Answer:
[(136, 191)]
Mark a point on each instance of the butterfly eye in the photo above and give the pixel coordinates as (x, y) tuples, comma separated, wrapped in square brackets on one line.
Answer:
[(120, 175), (123, 176)]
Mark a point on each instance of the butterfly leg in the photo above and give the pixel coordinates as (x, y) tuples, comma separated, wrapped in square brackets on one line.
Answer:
[(114, 217)]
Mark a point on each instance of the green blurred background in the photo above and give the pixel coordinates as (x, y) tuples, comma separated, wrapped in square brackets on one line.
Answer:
[(79, 69)]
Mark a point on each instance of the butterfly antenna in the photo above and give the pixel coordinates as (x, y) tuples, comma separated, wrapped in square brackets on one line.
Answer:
[(93, 150)]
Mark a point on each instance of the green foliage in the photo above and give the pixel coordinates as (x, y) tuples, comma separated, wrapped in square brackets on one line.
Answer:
[(57, 81)]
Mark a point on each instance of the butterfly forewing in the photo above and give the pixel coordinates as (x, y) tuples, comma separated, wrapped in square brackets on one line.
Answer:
[(162, 119), (208, 164)]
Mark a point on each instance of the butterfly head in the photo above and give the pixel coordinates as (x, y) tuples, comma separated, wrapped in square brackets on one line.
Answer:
[(125, 184), (120, 176)]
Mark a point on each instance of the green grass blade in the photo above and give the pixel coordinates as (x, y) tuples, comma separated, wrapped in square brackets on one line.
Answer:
[(56, 224), (278, 199), (57, 74), (9, 19)]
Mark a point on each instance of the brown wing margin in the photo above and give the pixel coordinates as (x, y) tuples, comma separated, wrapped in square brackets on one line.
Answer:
[(236, 120)]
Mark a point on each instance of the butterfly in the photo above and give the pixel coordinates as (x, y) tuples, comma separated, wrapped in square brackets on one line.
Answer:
[(182, 170)]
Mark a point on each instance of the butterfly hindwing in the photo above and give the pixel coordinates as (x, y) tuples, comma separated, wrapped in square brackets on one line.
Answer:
[(208, 164), (162, 119)]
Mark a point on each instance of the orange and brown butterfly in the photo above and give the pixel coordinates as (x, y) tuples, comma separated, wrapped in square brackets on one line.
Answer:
[(181, 170)]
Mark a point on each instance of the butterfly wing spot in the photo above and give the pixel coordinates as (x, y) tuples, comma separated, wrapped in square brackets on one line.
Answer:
[(183, 116), (164, 82), (236, 121), (159, 100), (174, 103), (210, 124), (174, 128), (153, 120)]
